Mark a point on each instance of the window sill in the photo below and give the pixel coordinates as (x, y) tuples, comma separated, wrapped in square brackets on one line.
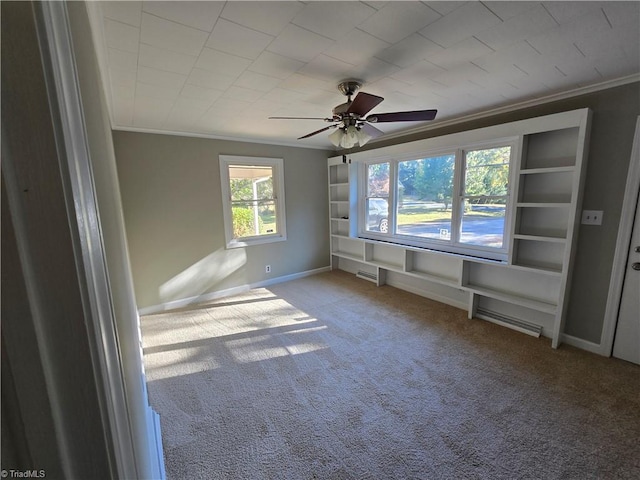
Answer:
[(249, 242), (477, 256)]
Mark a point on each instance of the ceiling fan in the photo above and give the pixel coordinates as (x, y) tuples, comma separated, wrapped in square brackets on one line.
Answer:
[(353, 127)]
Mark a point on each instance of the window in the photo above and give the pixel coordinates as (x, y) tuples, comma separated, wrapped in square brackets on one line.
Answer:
[(484, 198), (451, 200), (377, 197), (424, 201), (253, 200)]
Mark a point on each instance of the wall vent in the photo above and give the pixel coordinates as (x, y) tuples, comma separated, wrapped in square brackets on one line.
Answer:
[(509, 322), (372, 277)]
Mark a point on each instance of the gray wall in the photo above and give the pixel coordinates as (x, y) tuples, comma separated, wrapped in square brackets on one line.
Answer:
[(614, 118), (170, 188)]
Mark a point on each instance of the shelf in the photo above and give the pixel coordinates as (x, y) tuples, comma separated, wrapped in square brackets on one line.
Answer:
[(554, 271), (349, 256), (433, 278), (515, 299), (544, 255), (553, 148), (539, 238), (339, 184), (537, 171), (542, 204), (546, 186), (390, 257), (339, 174), (542, 222), (385, 265)]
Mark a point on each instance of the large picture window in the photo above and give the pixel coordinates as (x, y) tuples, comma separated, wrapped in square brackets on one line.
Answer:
[(253, 200), (455, 200)]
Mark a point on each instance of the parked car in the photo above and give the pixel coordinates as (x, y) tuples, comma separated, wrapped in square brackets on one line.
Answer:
[(378, 215)]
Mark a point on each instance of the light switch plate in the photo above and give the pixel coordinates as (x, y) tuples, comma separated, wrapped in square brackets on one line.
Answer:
[(592, 217)]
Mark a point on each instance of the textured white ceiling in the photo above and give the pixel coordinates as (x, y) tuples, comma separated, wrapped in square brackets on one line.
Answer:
[(222, 68)]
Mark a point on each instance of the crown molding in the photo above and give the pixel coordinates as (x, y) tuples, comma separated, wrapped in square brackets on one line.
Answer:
[(178, 133), (514, 107)]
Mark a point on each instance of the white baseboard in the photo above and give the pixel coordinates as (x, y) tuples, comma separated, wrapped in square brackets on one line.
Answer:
[(208, 297), (582, 344), (156, 450)]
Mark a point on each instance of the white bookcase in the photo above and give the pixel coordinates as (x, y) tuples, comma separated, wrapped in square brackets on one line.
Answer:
[(529, 291)]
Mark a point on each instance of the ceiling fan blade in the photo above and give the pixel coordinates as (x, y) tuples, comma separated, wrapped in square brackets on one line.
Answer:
[(301, 118), (318, 131), (370, 130), (363, 103), (414, 116)]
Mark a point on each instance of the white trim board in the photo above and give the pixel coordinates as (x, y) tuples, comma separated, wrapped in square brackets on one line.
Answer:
[(262, 141), (115, 403), (622, 247), (208, 297), (580, 343)]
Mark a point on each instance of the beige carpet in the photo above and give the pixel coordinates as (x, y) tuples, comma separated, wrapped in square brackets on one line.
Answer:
[(330, 377)]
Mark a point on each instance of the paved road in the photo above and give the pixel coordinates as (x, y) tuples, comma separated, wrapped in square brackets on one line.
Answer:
[(479, 231)]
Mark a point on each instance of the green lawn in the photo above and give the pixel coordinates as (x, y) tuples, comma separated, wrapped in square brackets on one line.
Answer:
[(268, 221), (413, 215)]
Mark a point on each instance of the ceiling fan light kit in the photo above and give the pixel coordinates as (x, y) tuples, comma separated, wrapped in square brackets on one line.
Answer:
[(349, 137), (353, 128)]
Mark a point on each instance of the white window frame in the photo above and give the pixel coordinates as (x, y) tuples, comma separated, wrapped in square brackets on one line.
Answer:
[(277, 165), (453, 245)]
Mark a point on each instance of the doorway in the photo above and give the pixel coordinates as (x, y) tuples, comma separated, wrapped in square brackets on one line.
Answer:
[(626, 341)]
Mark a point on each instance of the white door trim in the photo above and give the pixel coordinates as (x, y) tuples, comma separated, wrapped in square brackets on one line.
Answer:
[(71, 136), (622, 247)]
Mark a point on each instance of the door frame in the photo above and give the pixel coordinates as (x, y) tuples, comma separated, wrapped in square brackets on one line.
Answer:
[(629, 205), (132, 426)]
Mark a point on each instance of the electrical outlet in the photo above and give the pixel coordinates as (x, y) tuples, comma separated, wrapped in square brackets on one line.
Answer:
[(267, 268), (592, 217)]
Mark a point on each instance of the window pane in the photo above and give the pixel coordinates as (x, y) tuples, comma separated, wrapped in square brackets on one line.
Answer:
[(378, 180), (378, 215), (485, 190), (483, 222), (253, 206), (487, 171), (425, 188), (377, 205), (253, 218), (250, 182)]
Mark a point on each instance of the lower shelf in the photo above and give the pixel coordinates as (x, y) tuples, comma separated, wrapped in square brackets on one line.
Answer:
[(514, 299), (350, 256), (433, 278)]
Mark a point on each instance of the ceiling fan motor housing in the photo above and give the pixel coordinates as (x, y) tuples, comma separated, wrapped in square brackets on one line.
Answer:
[(349, 87), (350, 117), (340, 112)]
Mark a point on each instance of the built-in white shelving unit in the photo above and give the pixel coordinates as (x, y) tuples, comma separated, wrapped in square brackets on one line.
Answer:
[(527, 292)]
